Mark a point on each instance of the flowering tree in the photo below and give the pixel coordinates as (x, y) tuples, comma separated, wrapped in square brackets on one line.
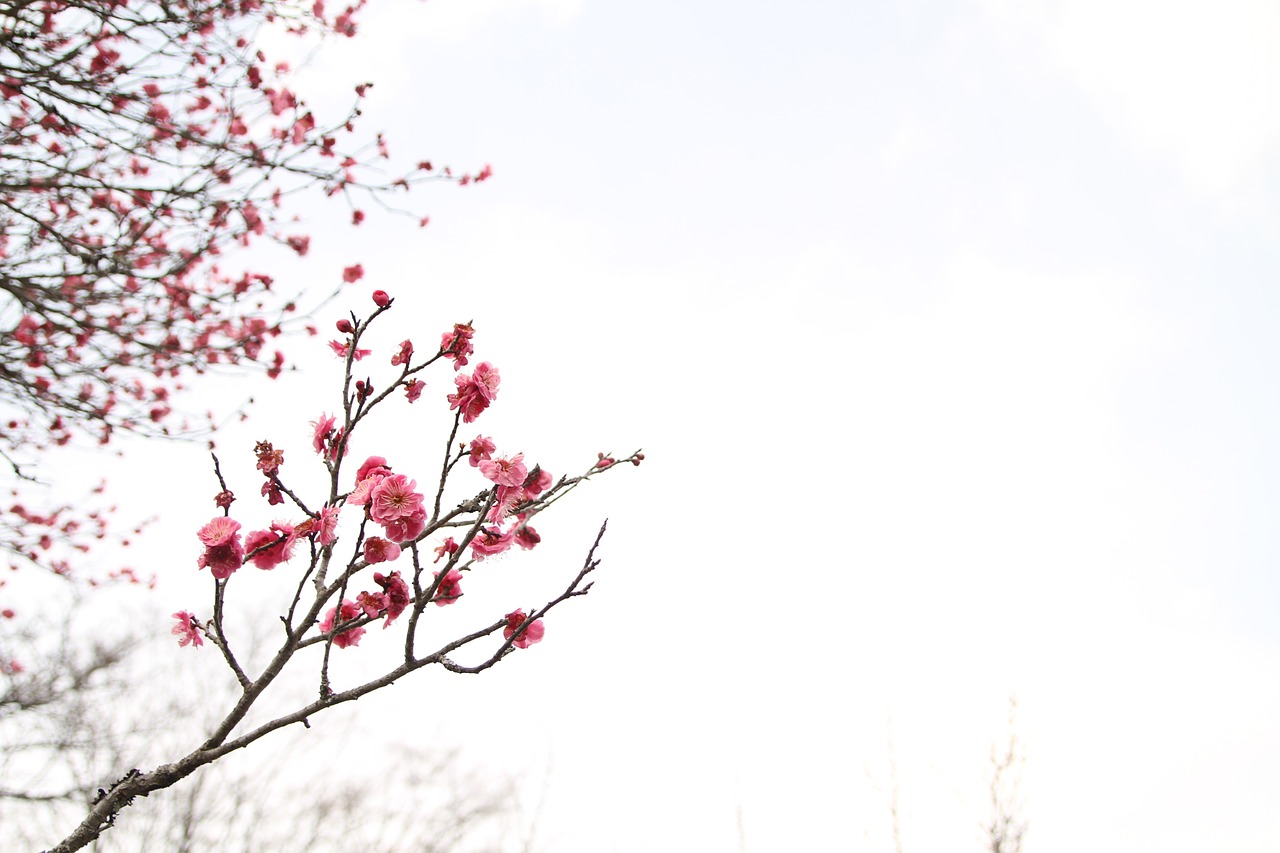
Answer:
[(331, 553), (140, 141)]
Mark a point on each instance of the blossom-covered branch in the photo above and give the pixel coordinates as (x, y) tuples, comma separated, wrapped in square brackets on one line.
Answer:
[(337, 550)]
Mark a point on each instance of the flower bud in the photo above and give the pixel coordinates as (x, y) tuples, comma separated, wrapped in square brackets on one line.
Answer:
[(381, 299), (345, 327)]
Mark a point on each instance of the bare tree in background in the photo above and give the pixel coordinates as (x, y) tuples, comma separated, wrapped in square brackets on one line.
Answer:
[(80, 717), (1005, 829)]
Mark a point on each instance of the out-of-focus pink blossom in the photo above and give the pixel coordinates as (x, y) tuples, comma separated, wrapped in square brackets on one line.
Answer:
[(223, 552), (450, 588), (186, 630), (271, 555), (353, 273), (350, 637), (527, 537), (532, 634), (379, 550)]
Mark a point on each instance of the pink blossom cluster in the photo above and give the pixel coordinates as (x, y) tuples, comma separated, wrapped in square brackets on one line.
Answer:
[(391, 500), (516, 485), (475, 391)]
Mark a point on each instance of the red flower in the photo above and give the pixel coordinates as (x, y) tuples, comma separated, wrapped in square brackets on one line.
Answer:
[(532, 634)]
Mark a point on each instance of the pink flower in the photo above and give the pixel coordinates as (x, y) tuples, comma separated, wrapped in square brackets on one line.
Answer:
[(397, 593), (223, 552), (342, 349), (456, 345), (372, 603), (406, 527), (353, 273), (527, 537), (323, 431), (506, 500), (482, 447), (475, 392), (505, 472), (450, 589), (537, 482), (381, 299), (491, 541), (378, 550), (449, 547), (394, 498), (403, 354), (414, 390), (187, 631), (532, 634), (373, 465), (327, 524), (271, 547), (349, 611)]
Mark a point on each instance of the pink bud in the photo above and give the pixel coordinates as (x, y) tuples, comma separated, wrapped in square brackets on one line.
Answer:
[(381, 299), (345, 327)]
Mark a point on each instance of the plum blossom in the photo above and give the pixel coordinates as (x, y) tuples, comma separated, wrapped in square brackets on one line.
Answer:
[(397, 594), (532, 634), (450, 589), (537, 482), (394, 498), (527, 537), (349, 610), (341, 350), (378, 550), (456, 345), (481, 448), (505, 472), (323, 427), (406, 527), (413, 390), (404, 354), (223, 552), (186, 630), (327, 524), (491, 541), (449, 547), (475, 391), (272, 547)]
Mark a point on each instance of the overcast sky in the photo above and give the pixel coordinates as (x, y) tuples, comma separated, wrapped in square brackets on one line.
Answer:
[(948, 329)]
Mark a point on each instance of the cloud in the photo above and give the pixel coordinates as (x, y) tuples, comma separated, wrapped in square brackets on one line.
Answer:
[(1191, 85)]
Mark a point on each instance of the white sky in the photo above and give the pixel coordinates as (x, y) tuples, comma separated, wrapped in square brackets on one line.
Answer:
[(948, 329)]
